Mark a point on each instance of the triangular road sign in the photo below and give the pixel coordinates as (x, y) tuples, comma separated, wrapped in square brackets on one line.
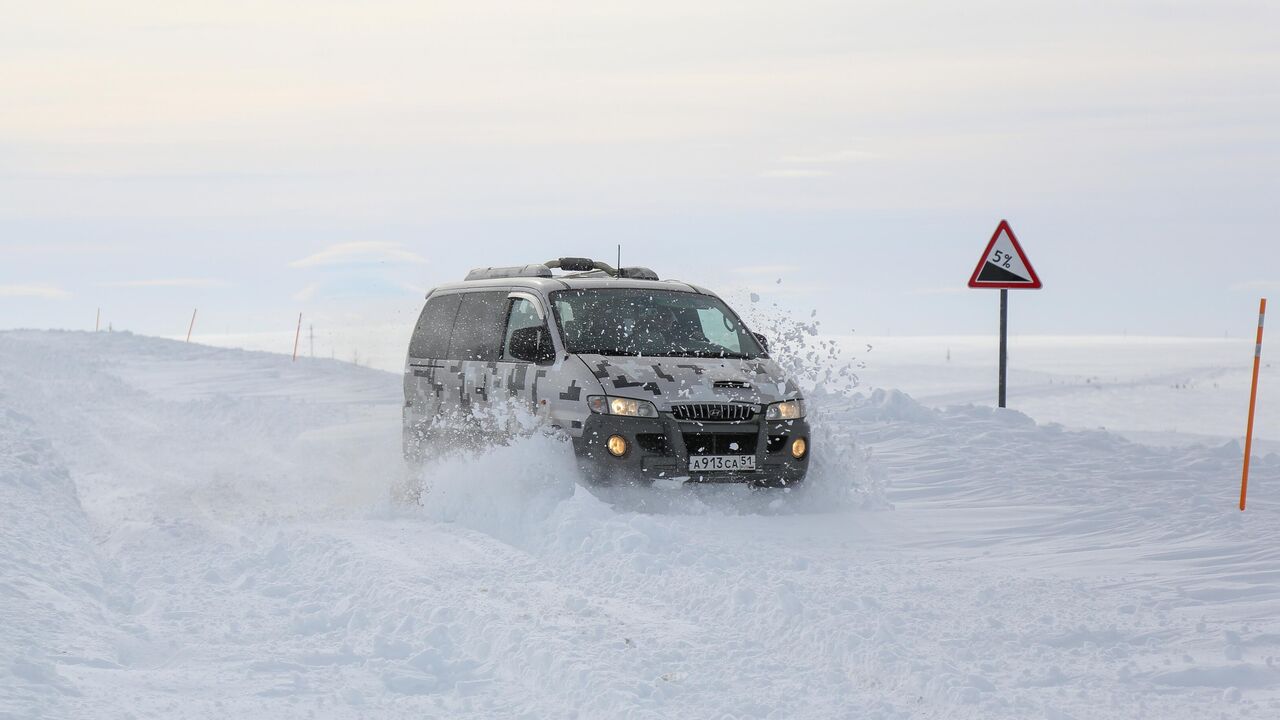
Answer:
[(1003, 264)]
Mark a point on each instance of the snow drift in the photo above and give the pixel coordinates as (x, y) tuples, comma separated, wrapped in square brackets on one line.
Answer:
[(188, 532)]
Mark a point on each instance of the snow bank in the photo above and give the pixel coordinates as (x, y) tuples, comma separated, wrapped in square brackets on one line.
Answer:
[(54, 594)]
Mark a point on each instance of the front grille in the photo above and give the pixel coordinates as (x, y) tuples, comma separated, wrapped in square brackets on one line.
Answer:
[(720, 443), (714, 412)]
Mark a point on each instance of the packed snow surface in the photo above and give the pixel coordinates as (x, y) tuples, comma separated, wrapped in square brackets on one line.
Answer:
[(191, 532)]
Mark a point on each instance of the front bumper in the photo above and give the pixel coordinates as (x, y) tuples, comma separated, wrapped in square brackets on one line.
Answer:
[(659, 448)]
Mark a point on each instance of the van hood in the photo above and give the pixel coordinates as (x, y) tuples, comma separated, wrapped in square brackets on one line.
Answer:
[(670, 380)]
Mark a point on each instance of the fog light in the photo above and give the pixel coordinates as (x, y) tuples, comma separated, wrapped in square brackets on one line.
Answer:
[(798, 448), (617, 445)]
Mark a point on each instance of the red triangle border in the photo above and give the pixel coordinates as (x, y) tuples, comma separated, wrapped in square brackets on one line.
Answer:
[(1035, 283)]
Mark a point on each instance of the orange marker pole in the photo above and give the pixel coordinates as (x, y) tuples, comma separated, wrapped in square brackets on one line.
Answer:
[(1253, 399), (297, 335), (192, 326)]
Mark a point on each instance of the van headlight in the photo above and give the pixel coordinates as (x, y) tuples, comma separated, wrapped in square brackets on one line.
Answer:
[(627, 407), (789, 410)]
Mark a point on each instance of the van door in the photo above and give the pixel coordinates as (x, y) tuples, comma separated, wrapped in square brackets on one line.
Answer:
[(475, 345), (426, 367), (519, 376)]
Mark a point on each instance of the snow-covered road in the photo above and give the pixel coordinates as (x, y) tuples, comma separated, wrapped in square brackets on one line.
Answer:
[(191, 532)]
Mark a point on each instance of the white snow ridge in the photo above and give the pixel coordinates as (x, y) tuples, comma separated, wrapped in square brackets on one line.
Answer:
[(189, 532)]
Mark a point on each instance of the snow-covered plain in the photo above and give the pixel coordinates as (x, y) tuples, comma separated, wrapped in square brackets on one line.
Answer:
[(1157, 389), (193, 532)]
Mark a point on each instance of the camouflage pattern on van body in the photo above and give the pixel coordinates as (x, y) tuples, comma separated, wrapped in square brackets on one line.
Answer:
[(668, 381), (498, 392), (557, 393)]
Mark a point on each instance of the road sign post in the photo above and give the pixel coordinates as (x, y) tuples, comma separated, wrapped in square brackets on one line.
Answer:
[(1005, 266), (1004, 343)]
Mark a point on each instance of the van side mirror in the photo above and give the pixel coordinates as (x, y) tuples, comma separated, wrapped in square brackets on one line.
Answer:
[(532, 344), (764, 341)]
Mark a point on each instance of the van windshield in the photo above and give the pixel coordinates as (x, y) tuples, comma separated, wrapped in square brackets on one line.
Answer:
[(650, 323)]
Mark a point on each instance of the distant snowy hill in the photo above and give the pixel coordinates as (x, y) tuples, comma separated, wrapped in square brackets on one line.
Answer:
[(192, 532)]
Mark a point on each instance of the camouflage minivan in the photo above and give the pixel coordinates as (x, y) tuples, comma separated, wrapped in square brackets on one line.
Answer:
[(649, 378)]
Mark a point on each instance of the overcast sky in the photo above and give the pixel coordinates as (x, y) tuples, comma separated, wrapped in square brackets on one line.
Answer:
[(260, 159)]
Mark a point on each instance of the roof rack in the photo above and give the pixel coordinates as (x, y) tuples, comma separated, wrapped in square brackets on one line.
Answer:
[(578, 266), (491, 273)]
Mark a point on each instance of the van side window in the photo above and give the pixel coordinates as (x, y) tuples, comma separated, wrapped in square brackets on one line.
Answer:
[(435, 324), (478, 331), (522, 315)]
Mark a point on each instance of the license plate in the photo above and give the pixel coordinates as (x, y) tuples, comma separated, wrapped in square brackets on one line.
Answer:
[(722, 463)]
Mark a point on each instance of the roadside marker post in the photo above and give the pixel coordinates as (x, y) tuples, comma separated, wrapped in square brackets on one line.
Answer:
[(192, 326), (296, 336), (1005, 266), (1253, 400)]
